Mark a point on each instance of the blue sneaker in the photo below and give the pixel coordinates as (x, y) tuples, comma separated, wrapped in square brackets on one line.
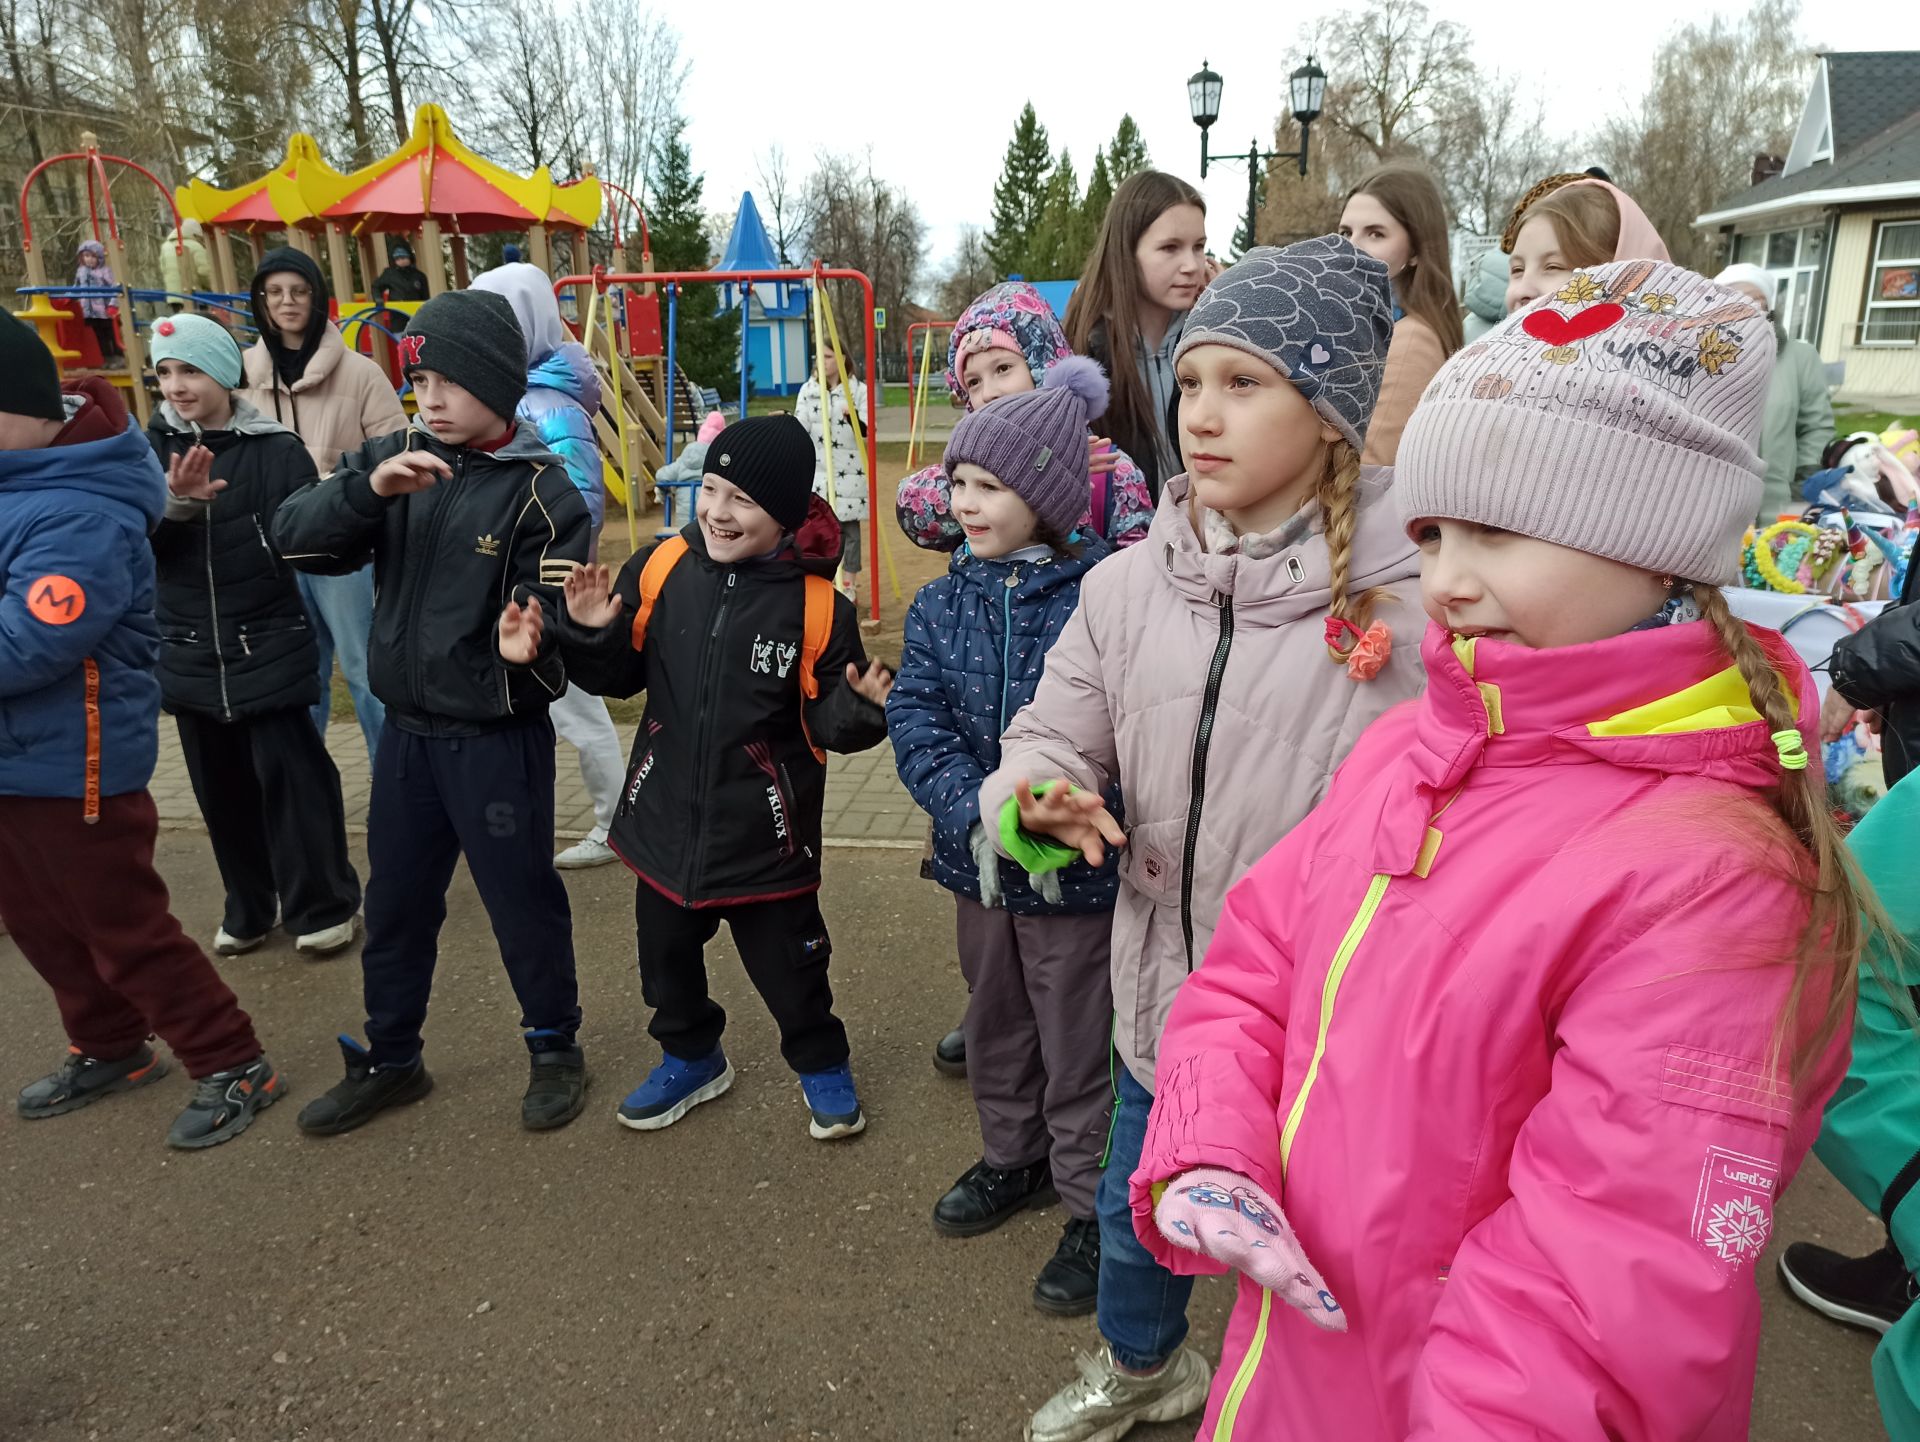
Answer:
[(673, 1089), (834, 1103)]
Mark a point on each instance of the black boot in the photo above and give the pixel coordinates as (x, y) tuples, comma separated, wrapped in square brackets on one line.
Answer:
[(950, 1054), (1069, 1285), (367, 1091), (557, 1083), (986, 1196), (1871, 1292)]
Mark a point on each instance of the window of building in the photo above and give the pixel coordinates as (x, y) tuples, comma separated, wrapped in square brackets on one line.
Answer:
[(1796, 260), (1891, 315)]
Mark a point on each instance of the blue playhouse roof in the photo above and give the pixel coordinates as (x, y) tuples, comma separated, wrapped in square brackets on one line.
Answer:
[(749, 248)]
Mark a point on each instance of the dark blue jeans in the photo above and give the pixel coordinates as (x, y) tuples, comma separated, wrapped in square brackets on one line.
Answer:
[(1143, 1306), (435, 799)]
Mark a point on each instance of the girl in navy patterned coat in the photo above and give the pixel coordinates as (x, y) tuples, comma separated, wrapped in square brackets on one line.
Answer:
[(1034, 951)]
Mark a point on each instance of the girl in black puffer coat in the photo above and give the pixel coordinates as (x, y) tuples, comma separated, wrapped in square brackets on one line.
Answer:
[(238, 662)]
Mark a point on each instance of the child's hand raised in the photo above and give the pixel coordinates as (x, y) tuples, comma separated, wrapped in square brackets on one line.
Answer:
[(408, 472), (521, 628), (589, 596), (875, 683), (1230, 1218), (190, 476), (1073, 818), (1102, 459)]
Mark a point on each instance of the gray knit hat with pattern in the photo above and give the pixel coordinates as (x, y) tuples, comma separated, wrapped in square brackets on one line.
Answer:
[(1320, 313), (1619, 415)]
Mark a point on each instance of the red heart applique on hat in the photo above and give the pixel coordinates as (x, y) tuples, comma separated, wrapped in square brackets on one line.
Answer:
[(1564, 330)]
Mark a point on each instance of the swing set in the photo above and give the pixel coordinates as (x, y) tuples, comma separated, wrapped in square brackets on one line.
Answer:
[(621, 323)]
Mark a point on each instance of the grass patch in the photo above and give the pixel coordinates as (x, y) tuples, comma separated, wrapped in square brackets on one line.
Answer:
[(1848, 421)]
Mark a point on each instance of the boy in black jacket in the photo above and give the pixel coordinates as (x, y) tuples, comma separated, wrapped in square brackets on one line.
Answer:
[(460, 513), (721, 814)]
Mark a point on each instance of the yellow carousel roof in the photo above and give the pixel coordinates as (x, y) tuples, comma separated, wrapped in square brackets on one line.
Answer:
[(294, 192)]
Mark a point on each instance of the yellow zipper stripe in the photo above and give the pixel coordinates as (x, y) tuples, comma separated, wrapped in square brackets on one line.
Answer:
[(1329, 990), (1243, 1379)]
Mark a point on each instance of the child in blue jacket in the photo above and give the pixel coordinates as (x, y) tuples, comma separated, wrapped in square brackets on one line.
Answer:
[(1034, 951)]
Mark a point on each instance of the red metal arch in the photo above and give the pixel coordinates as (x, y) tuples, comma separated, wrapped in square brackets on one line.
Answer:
[(95, 162)]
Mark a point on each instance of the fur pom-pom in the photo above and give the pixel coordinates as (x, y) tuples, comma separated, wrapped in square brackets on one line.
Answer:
[(1081, 375)]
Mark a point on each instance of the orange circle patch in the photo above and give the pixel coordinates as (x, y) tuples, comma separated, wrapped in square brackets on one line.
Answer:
[(56, 600)]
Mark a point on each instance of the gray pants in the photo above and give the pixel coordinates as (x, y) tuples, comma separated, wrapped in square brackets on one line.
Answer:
[(1039, 1032)]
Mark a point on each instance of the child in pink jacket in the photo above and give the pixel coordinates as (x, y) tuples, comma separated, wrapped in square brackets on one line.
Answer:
[(1216, 672), (1498, 1063)]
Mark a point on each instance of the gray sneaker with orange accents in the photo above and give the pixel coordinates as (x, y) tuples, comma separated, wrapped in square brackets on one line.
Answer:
[(82, 1080), (225, 1104)]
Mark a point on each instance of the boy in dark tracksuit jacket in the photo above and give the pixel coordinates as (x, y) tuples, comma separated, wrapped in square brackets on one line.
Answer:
[(79, 712), (238, 663), (721, 814), (460, 513)]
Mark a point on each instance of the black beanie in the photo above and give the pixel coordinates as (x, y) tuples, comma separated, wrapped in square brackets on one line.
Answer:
[(29, 379), (771, 458), (473, 339)]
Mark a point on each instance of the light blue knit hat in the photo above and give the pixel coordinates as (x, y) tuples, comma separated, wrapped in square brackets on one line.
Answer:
[(202, 343)]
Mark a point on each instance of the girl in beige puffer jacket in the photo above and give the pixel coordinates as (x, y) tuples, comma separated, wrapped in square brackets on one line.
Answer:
[(1218, 671)]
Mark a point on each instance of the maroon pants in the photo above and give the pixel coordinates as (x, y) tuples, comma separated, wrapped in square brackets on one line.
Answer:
[(91, 914)]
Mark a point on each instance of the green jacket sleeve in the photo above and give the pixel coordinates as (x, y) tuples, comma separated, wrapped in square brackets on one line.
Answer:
[(1814, 418)]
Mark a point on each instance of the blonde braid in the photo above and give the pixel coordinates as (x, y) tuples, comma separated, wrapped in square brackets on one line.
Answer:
[(1525, 203), (1843, 913)]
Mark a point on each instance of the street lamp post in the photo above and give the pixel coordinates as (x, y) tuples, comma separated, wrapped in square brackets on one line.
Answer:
[(1307, 89)]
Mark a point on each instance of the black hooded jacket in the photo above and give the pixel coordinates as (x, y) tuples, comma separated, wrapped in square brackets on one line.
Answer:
[(235, 638), (396, 283), (290, 365), (1877, 668), (724, 795), (506, 523)]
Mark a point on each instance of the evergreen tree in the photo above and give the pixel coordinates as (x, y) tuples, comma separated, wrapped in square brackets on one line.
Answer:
[(1099, 193), (1241, 244), (1019, 196), (1127, 155), (1061, 240), (706, 344)]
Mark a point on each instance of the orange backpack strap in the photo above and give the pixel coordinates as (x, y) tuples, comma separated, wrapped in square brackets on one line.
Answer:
[(653, 576), (817, 632)]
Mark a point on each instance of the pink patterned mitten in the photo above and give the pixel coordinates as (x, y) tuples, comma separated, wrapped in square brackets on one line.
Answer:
[(1225, 1216)]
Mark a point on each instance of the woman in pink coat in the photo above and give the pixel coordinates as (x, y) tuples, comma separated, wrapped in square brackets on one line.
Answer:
[(1498, 1062), (1216, 672)]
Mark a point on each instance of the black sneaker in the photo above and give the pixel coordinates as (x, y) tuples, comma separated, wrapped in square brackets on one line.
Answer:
[(986, 1196), (82, 1080), (556, 1084), (1069, 1285), (225, 1104), (950, 1054), (367, 1091), (1871, 1292)]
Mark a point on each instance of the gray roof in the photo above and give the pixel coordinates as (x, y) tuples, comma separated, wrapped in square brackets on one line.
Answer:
[(1868, 91), (1863, 87)]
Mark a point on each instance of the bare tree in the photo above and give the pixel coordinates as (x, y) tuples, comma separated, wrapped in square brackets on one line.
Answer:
[(1491, 151), (1721, 92), (787, 203), (968, 274), (862, 222), (1401, 72)]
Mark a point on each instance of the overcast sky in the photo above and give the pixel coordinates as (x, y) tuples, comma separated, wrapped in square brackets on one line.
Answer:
[(938, 103)]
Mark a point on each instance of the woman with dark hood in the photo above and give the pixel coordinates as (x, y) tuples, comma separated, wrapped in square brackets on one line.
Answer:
[(301, 374)]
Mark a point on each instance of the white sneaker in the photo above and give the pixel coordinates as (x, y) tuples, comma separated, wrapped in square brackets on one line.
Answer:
[(582, 854), (327, 942), (1105, 1403), (225, 943)]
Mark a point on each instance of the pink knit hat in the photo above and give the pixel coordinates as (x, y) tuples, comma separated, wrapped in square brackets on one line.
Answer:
[(1619, 416)]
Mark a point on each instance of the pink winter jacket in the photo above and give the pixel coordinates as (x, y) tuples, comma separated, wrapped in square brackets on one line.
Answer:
[(1212, 775), (1492, 1025)]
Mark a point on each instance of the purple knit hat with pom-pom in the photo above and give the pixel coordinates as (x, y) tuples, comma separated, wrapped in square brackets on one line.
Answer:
[(1035, 443)]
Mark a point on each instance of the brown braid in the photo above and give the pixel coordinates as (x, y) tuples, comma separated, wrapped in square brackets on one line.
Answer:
[(1337, 493), (1525, 203), (1843, 914)]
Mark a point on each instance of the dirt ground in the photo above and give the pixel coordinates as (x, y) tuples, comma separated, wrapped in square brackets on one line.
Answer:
[(443, 1273)]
